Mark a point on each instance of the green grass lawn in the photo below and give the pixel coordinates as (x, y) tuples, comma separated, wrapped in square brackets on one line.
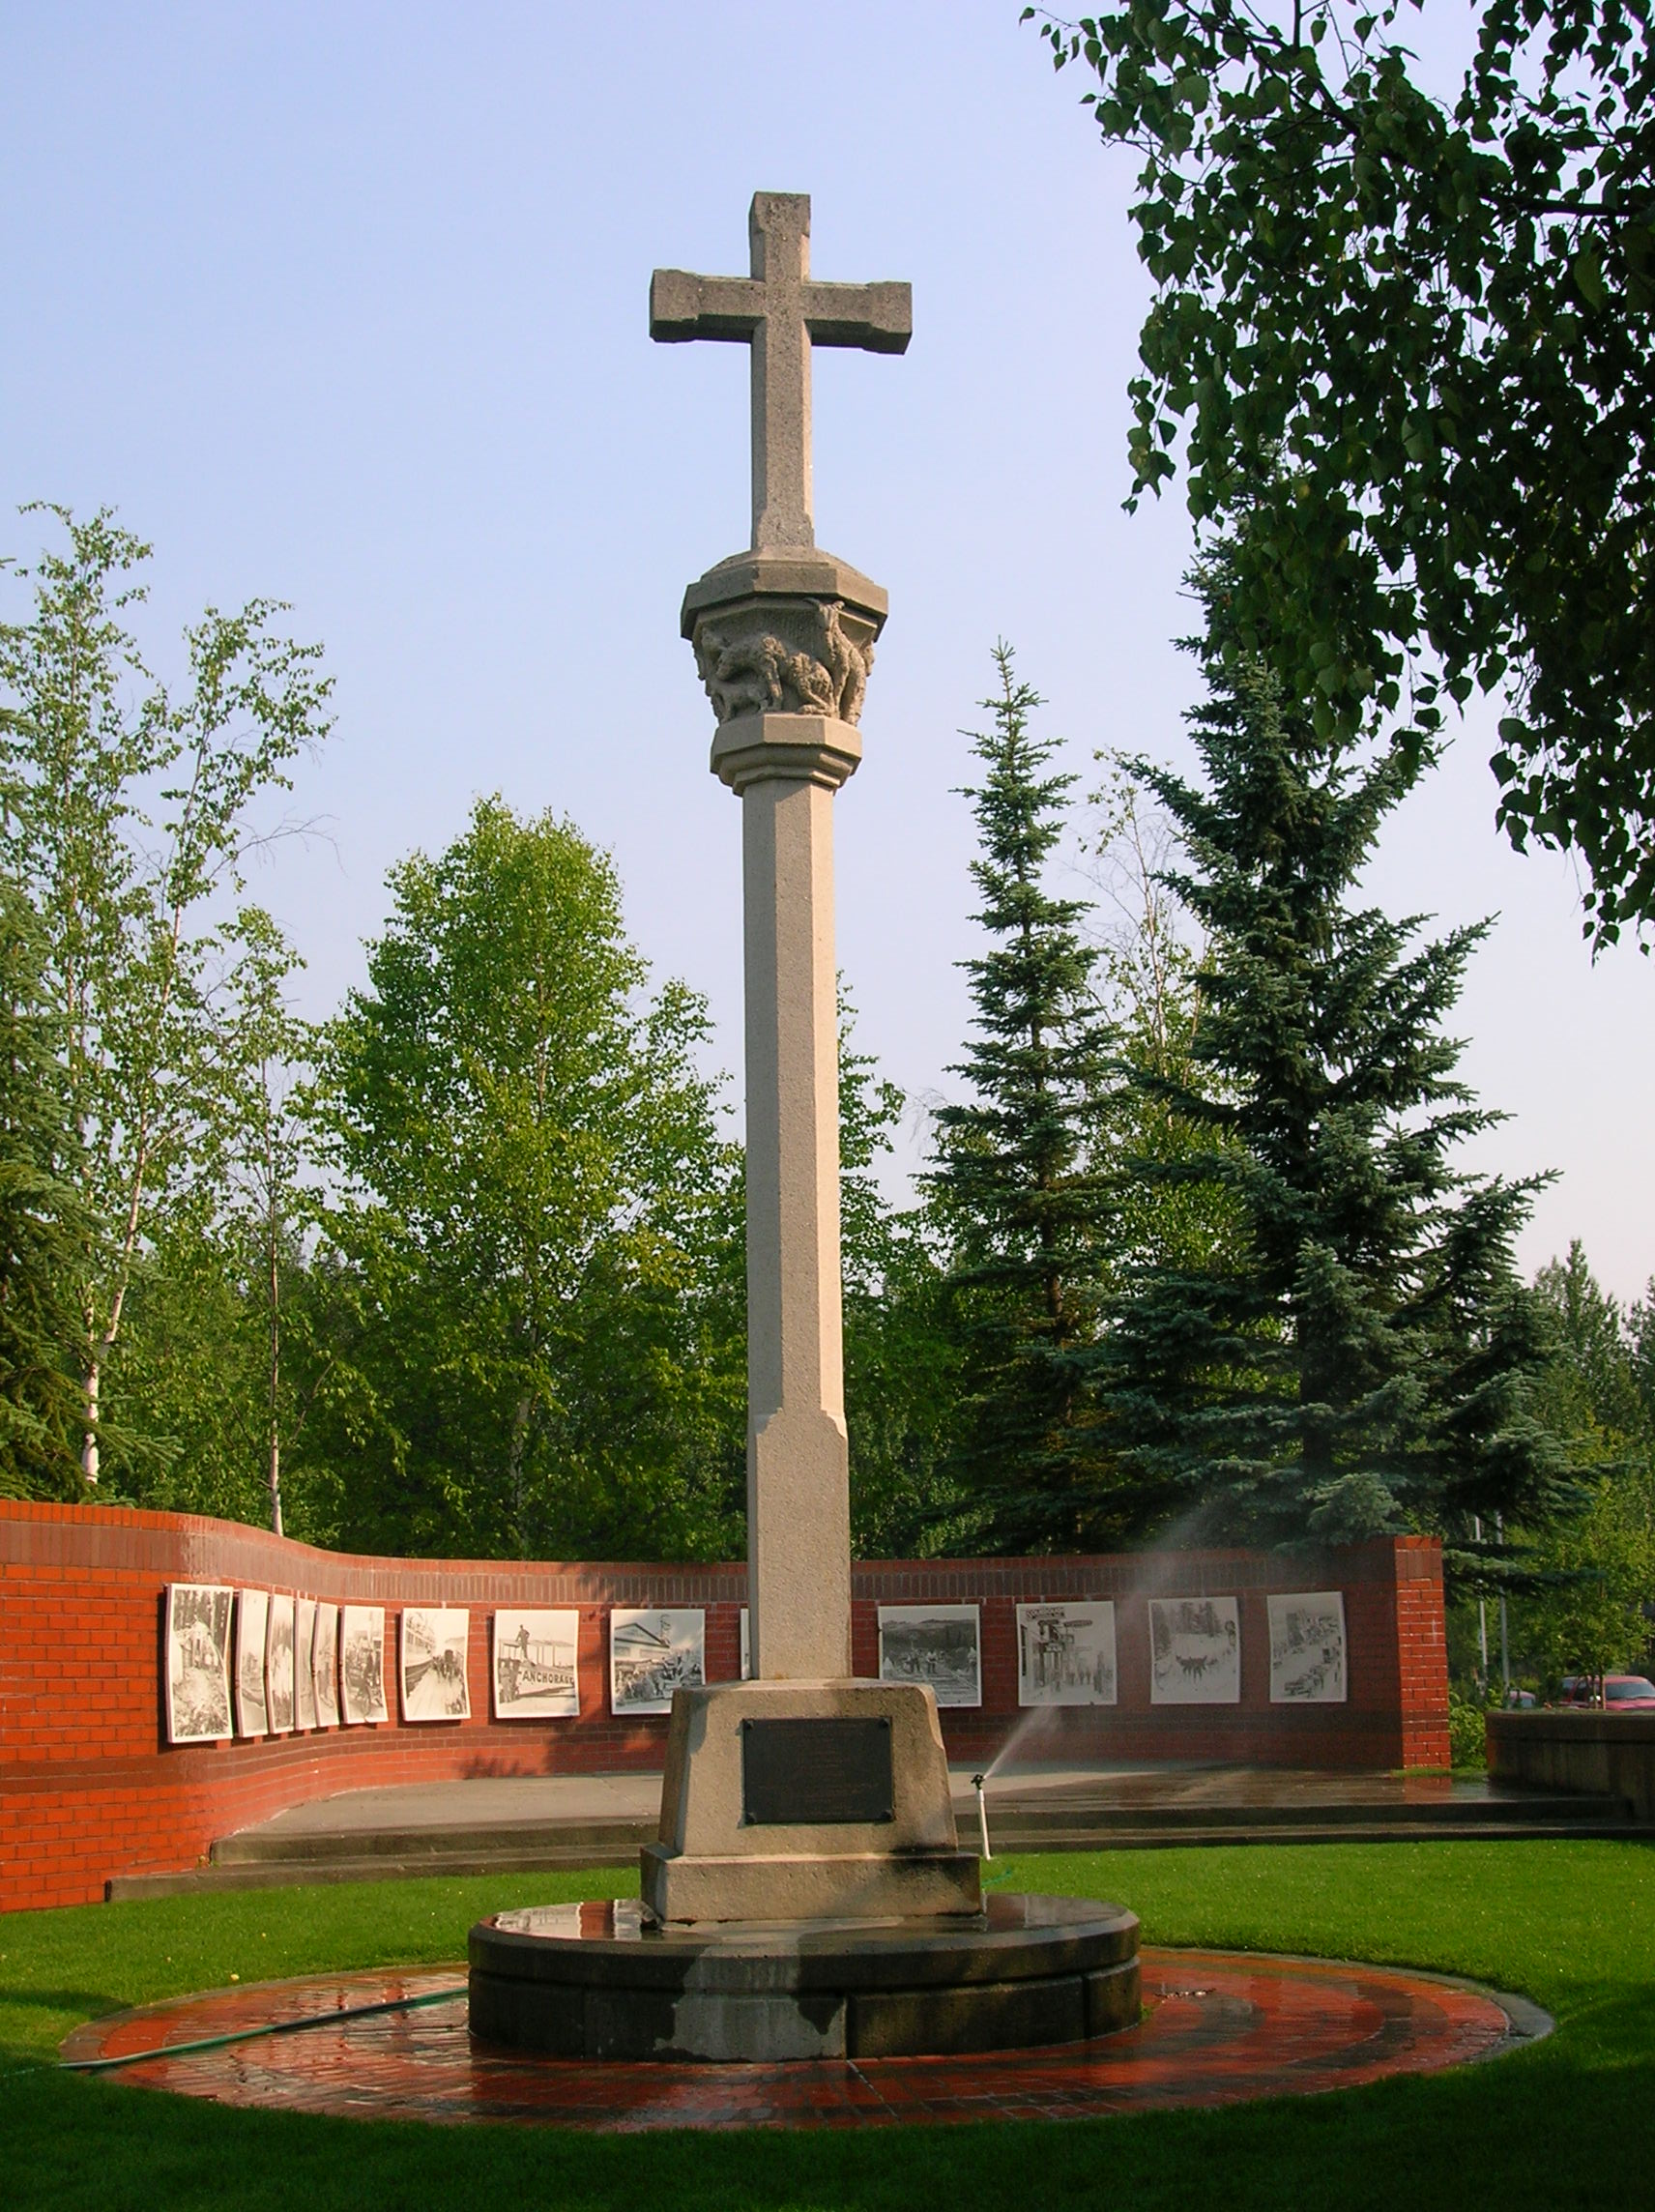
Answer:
[(1570, 2122)]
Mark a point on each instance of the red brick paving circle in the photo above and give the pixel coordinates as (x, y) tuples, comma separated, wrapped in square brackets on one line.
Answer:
[(1219, 2028)]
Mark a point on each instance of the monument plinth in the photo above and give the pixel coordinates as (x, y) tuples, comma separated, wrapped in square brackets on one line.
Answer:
[(799, 1800), (806, 1895)]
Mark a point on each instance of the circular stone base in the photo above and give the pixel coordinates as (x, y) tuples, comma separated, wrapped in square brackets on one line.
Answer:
[(392, 2044), (599, 1981)]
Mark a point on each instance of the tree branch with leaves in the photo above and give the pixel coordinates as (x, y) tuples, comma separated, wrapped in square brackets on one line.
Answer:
[(1411, 337)]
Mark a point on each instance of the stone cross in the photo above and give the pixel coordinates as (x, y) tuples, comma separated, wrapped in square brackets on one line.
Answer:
[(780, 311), (783, 637)]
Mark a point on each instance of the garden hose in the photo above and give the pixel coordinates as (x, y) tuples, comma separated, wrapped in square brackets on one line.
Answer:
[(272, 2027)]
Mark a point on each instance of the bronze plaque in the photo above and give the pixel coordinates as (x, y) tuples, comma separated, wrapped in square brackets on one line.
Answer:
[(817, 1773)]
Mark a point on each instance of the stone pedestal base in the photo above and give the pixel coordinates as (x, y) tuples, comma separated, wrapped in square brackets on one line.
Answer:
[(807, 1801), (605, 1981), (863, 1886)]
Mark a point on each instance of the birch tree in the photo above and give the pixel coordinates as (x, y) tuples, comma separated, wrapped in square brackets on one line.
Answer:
[(241, 1321), (42, 1228), (259, 1203), (136, 808)]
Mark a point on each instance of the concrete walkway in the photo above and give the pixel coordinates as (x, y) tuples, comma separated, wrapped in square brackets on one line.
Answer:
[(521, 1824), (497, 1802), (1164, 1789)]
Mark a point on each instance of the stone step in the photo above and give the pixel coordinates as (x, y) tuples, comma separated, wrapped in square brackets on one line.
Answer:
[(297, 1873), (262, 1848), (1032, 1817), (518, 1827), (1004, 1840), (1073, 1822), (1099, 1816), (1005, 1836)]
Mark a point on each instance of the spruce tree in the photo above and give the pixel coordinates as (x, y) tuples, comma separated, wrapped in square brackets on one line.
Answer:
[(1019, 1180), (901, 1360), (1359, 1359)]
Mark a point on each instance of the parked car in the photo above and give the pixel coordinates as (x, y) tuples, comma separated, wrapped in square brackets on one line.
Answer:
[(1629, 1693), (1621, 1693)]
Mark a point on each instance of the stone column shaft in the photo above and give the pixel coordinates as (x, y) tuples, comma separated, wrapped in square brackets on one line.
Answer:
[(784, 642), (798, 1513)]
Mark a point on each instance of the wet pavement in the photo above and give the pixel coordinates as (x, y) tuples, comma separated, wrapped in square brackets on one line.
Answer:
[(1219, 2028)]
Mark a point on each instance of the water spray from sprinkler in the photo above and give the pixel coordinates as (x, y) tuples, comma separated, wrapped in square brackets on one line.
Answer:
[(977, 1781)]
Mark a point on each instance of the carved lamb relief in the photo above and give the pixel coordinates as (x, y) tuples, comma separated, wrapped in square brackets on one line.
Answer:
[(748, 667)]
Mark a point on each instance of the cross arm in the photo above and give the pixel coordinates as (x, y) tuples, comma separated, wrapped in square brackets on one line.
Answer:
[(876, 318), (685, 306)]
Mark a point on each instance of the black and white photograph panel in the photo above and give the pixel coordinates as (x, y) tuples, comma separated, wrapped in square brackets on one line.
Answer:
[(303, 1681), (653, 1652), (253, 1613), (197, 1680), (1195, 1651), (536, 1665), (435, 1685), (1066, 1653), (361, 1662), (325, 1665), (1307, 1648), (279, 1663), (937, 1643)]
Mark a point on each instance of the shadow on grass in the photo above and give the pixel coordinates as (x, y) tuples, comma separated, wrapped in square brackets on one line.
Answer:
[(91, 2005), (32, 2023), (85, 2004)]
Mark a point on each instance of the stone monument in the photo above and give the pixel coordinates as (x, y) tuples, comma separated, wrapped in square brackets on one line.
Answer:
[(806, 1896), (801, 1793)]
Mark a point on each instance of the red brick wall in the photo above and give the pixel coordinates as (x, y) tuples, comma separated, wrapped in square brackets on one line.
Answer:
[(1396, 1710), (89, 1788)]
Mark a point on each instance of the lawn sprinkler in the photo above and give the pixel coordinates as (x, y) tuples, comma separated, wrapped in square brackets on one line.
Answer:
[(977, 1781)]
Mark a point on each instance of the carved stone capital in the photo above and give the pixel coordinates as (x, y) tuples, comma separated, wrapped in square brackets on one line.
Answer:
[(785, 656), (789, 634), (795, 748), (806, 573)]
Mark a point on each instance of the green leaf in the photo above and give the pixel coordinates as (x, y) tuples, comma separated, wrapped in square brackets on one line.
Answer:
[(1588, 272)]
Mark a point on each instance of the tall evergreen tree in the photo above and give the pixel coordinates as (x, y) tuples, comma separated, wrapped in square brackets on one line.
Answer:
[(1359, 1359), (901, 1358), (1593, 1379), (1020, 1179)]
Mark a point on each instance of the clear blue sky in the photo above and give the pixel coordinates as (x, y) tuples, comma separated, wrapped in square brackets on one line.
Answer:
[(346, 303)]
